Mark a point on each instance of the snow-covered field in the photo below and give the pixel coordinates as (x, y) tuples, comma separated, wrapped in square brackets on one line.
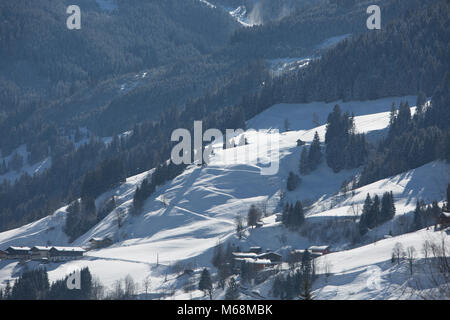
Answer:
[(187, 217)]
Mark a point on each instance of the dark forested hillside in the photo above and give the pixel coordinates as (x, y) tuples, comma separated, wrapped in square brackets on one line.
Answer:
[(139, 34), (309, 25), (44, 65), (413, 141), (406, 56)]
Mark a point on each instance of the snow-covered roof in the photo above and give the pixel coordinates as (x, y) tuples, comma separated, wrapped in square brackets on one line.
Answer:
[(245, 254), (255, 261), (20, 248), (69, 249), (318, 248), (261, 261), (99, 239), (269, 253), (41, 248)]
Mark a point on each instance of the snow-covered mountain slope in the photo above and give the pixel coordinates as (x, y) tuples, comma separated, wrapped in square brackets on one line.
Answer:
[(50, 230), (426, 183), (367, 272), (187, 216)]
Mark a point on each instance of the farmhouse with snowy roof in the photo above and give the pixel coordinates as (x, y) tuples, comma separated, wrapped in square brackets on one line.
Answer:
[(320, 249), (58, 254), (40, 253), (258, 260), (21, 253), (97, 243)]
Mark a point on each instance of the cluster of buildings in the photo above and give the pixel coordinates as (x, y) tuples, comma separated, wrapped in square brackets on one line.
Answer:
[(262, 260), (315, 252), (258, 259), (41, 253), (52, 254)]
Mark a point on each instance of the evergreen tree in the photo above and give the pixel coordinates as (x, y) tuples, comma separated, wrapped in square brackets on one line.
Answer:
[(286, 214), (205, 283), (304, 162), (31, 285), (418, 216), (315, 153), (345, 148), (292, 181), (253, 216), (387, 211), (374, 213), (59, 290), (298, 215), (365, 216), (420, 102), (218, 256), (293, 216)]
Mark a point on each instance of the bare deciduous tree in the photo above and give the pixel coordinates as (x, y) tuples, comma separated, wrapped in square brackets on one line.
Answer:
[(411, 256), (398, 252), (146, 284)]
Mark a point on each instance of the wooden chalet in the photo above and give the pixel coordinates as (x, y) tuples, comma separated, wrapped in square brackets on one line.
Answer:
[(320, 249), (21, 253), (97, 243), (258, 261), (58, 254), (40, 253)]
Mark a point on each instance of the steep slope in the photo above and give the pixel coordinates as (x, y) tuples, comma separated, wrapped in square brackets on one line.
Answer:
[(186, 217), (367, 272)]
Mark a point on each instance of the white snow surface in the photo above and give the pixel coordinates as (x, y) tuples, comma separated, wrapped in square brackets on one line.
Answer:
[(187, 216)]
